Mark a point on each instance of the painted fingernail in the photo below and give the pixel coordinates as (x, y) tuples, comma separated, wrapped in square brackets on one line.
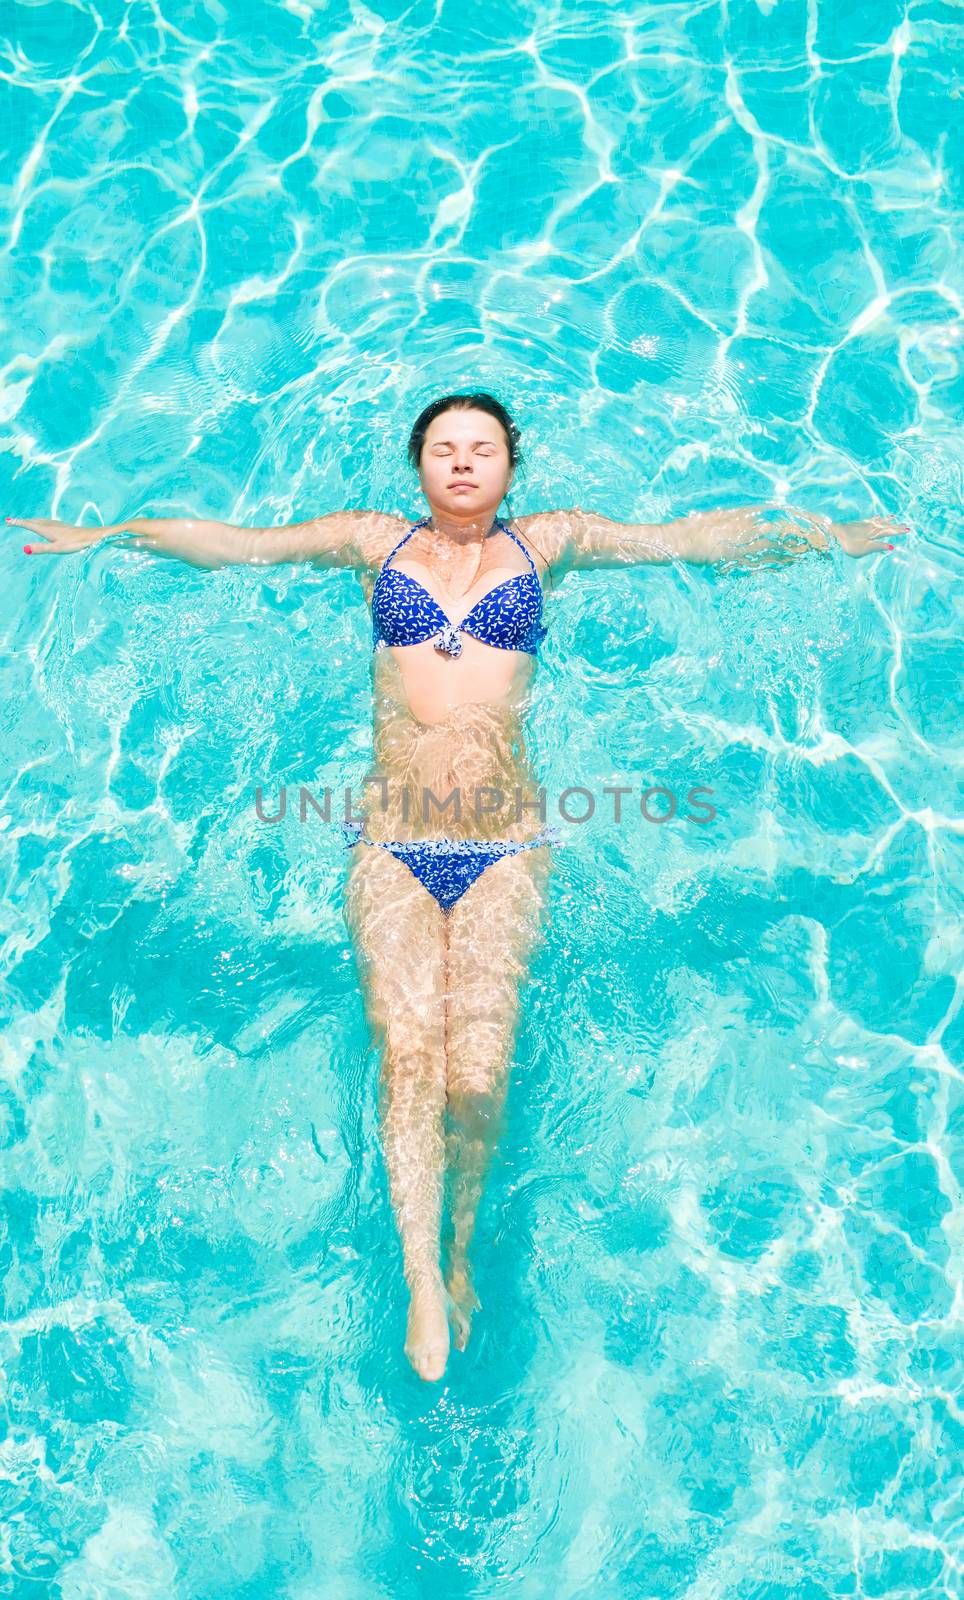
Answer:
[(892, 547), (27, 550)]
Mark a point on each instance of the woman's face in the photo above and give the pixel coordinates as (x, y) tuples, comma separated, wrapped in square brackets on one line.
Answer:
[(464, 469)]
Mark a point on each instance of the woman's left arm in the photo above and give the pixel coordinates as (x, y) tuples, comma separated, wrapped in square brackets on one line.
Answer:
[(747, 536)]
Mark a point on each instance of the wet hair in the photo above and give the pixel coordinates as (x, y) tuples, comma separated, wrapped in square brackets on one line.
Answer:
[(463, 402), (480, 401)]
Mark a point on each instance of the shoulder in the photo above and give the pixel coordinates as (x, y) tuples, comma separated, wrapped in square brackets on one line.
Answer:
[(374, 534), (549, 533)]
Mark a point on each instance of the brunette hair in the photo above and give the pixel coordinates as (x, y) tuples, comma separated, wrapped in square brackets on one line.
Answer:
[(463, 402), (480, 401)]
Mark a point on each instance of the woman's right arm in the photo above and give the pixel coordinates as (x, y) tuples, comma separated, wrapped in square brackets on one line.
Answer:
[(338, 539)]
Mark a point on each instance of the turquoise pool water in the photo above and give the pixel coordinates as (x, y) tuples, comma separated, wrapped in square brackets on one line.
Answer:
[(712, 255)]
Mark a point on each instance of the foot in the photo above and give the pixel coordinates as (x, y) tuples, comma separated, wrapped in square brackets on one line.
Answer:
[(427, 1339), (463, 1301)]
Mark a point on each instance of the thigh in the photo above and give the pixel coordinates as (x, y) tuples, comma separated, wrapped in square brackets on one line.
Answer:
[(493, 932), (398, 934)]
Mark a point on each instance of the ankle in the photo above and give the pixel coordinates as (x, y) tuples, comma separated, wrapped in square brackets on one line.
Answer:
[(424, 1281)]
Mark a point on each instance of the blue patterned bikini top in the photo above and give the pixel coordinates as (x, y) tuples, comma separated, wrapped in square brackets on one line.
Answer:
[(508, 616)]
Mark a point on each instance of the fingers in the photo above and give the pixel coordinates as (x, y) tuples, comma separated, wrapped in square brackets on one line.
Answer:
[(890, 531), (44, 525), (50, 547), (878, 534), (56, 538), (49, 527), (62, 548), (45, 529)]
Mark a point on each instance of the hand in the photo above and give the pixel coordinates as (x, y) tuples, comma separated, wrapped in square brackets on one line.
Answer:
[(62, 538), (868, 537)]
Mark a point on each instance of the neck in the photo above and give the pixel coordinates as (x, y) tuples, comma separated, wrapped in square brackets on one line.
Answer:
[(461, 530)]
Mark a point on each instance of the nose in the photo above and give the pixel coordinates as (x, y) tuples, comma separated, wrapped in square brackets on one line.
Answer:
[(463, 462)]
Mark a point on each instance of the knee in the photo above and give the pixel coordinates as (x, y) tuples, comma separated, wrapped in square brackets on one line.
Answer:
[(478, 1048), (412, 1068), (413, 1038)]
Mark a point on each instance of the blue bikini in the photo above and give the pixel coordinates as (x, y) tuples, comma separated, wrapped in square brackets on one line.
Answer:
[(508, 617), (447, 867)]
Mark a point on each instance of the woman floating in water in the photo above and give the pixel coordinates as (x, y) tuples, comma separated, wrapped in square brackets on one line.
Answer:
[(445, 910)]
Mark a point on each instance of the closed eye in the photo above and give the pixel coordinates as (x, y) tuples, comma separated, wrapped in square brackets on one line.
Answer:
[(483, 445)]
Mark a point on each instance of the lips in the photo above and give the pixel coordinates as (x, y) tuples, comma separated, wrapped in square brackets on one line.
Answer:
[(461, 485)]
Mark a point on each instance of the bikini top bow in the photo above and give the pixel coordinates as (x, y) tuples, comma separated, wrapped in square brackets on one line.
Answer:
[(448, 640)]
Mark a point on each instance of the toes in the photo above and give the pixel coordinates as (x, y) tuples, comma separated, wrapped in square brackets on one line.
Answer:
[(430, 1371), (430, 1363), (427, 1346)]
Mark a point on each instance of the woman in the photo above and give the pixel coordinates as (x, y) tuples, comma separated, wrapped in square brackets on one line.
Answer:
[(447, 882)]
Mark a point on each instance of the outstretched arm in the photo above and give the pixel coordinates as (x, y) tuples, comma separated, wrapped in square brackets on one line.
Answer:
[(339, 539), (746, 536)]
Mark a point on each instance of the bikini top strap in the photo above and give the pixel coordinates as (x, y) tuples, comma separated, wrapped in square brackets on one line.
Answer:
[(401, 541), (515, 536), (425, 520)]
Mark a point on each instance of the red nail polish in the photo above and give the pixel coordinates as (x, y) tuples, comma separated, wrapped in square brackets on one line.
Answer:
[(892, 547), (27, 550)]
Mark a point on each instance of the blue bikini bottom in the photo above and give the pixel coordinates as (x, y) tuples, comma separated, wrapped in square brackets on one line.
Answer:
[(447, 867)]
